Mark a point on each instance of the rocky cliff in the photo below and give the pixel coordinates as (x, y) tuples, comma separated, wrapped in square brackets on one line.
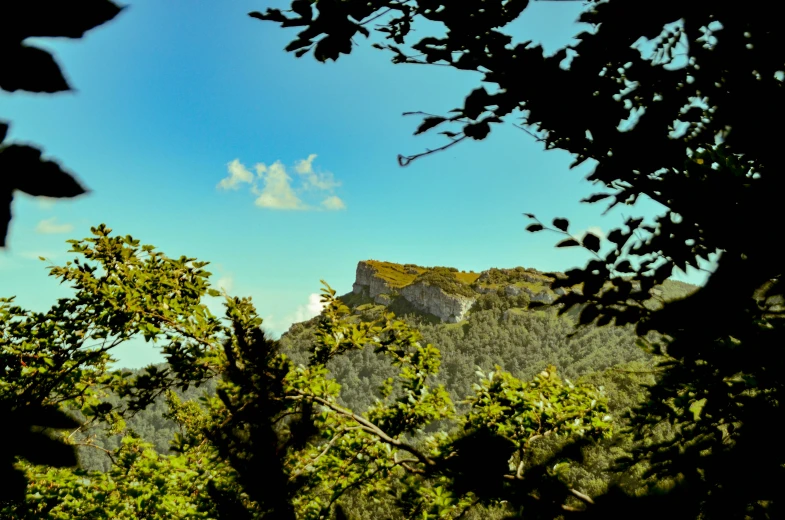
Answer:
[(443, 292)]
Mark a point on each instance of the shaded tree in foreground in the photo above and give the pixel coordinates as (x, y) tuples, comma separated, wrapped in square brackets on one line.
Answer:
[(28, 68), (671, 101)]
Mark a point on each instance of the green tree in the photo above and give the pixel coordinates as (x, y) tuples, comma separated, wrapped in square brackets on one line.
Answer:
[(273, 441), (692, 83), (59, 359), (31, 69)]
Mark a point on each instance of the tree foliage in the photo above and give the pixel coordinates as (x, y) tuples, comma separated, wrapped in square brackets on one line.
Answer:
[(272, 441), (667, 101)]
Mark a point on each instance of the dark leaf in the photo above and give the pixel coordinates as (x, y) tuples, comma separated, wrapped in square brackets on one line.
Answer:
[(3, 131), (533, 228), (605, 319), (428, 123), (596, 197), (272, 15), (475, 103), (65, 18), (591, 242), (477, 131), (589, 314), (30, 69), (617, 237), (6, 197), (481, 462), (39, 448), (561, 224), (14, 484), (27, 172), (297, 44), (568, 242), (48, 417), (303, 8), (529, 215)]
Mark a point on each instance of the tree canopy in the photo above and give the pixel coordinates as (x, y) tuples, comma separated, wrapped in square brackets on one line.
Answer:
[(273, 440)]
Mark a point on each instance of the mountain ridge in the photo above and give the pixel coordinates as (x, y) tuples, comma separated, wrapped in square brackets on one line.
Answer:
[(449, 294)]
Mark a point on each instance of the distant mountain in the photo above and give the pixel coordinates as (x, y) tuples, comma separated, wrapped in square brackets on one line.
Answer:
[(449, 295), (476, 320)]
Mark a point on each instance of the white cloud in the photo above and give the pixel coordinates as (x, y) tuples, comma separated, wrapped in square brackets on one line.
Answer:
[(49, 226), (333, 203), (45, 202), (309, 310), (225, 283), (302, 313), (238, 173), (313, 180), (596, 230), (277, 190)]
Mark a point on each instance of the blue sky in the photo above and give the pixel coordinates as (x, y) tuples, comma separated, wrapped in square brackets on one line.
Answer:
[(198, 134)]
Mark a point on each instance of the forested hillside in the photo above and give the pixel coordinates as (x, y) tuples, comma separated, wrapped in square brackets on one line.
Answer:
[(498, 331)]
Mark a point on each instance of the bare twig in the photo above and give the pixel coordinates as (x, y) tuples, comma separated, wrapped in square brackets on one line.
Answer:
[(406, 160), (369, 427)]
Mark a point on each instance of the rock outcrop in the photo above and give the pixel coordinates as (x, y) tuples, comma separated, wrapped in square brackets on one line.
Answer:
[(366, 281), (385, 282), (450, 308)]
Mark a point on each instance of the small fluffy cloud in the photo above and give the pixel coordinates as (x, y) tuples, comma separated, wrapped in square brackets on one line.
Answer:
[(333, 203), (225, 283), (238, 174), (45, 202), (303, 313), (309, 310), (277, 192), (275, 189), (313, 180), (50, 226), (596, 230)]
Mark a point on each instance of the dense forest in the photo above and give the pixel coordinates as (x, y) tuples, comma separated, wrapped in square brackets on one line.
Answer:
[(499, 334)]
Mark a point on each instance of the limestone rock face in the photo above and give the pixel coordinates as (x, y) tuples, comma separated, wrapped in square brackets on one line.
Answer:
[(366, 280), (450, 308)]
